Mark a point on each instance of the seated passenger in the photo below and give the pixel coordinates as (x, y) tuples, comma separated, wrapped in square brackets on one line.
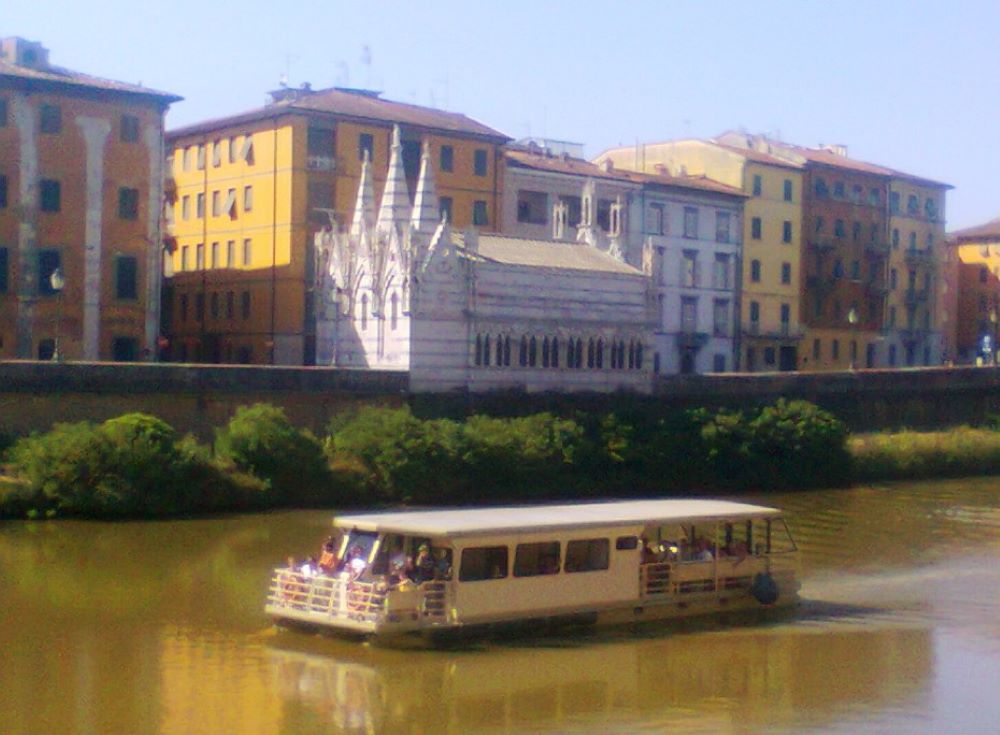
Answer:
[(702, 550), (356, 562)]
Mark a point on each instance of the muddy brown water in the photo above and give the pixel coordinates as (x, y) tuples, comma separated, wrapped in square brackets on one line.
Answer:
[(158, 628)]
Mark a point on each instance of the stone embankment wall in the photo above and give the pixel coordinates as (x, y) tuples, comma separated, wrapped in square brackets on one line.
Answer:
[(34, 395)]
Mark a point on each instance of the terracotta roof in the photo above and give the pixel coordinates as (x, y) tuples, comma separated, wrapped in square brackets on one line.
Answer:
[(702, 183), (547, 254), (352, 104), (759, 156), (986, 231), (562, 165), (56, 75), (580, 167)]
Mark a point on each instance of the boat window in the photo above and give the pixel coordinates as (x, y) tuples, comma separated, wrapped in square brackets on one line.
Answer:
[(484, 562), (360, 543), (627, 543), (531, 560), (587, 555), (779, 539), (390, 553)]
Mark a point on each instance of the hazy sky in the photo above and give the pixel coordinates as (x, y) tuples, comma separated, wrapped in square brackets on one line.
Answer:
[(908, 85)]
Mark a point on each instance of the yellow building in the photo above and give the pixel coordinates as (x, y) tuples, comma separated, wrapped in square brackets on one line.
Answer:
[(772, 222), (249, 192), (81, 188)]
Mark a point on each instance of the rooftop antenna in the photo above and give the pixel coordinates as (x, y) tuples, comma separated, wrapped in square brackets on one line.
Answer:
[(366, 61), (289, 58)]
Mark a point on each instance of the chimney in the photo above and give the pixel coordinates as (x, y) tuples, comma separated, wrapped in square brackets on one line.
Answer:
[(608, 165), (660, 169), (837, 149), (29, 54)]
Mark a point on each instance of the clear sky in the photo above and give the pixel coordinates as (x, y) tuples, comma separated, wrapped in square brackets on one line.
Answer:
[(909, 85)]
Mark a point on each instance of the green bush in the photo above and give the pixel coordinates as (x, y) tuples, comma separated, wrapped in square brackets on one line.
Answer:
[(260, 440), (130, 466), (405, 459), (791, 444)]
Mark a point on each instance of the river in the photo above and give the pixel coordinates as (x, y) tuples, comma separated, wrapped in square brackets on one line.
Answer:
[(158, 628)]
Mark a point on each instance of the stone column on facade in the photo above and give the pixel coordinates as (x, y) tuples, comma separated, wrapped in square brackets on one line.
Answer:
[(95, 134), (25, 118)]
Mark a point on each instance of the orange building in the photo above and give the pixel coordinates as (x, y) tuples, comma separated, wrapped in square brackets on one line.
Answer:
[(248, 193), (81, 190), (978, 317)]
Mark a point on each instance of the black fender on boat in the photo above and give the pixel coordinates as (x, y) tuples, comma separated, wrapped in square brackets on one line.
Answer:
[(764, 589)]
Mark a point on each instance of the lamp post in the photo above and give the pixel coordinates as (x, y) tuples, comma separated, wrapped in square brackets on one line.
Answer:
[(852, 319), (58, 282), (994, 354)]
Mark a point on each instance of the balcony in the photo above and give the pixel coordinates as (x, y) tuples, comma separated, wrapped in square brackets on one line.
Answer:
[(781, 332), (919, 257), (691, 340), (821, 284), (321, 163), (877, 249), (822, 246)]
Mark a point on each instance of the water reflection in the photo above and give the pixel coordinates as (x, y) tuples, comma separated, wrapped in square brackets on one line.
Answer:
[(731, 680)]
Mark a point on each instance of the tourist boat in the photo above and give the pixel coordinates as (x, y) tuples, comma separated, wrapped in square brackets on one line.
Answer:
[(441, 572)]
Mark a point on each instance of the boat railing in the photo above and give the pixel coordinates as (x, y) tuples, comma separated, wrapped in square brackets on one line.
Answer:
[(690, 576), (366, 601), (326, 595)]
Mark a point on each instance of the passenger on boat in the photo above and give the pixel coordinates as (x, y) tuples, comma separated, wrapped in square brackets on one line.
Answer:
[(423, 565), (442, 569), (328, 560), (356, 562), (309, 568), (399, 575), (649, 555), (702, 550)]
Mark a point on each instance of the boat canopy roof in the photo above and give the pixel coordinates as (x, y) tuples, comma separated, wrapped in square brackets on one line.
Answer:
[(526, 519)]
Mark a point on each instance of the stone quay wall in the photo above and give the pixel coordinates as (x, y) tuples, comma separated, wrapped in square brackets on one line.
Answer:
[(34, 395)]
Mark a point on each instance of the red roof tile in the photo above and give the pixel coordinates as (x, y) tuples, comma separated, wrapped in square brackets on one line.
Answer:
[(58, 76), (987, 231), (580, 167), (356, 105)]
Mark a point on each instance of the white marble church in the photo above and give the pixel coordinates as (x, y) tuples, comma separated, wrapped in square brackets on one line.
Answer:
[(478, 311)]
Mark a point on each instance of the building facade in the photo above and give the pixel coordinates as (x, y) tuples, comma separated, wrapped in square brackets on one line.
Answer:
[(977, 321), (917, 319), (770, 330), (81, 192), (250, 192), (474, 310), (688, 228)]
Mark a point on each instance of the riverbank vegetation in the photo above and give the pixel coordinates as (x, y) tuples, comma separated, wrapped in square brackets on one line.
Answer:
[(137, 466)]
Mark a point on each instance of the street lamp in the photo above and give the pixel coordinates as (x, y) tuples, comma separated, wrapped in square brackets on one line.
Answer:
[(852, 319), (994, 354), (58, 282)]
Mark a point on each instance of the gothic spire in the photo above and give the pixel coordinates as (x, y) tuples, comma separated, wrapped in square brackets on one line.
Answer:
[(425, 204), (395, 208), (364, 206)]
